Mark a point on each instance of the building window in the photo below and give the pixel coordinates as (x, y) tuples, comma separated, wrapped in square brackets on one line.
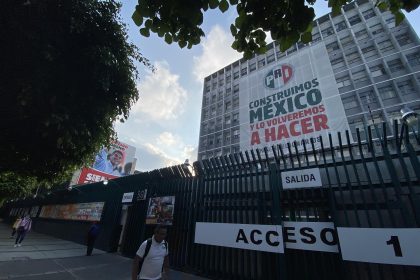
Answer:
[(406, 87), (270, 58), (332, 47), (368, 98), (377, 70), (395, 65), (218, 138), (228, 78), (228, 106), (327, 32), (236, 102), (236, 149), (390, 22), (235, 118), (207, 88), (376, 29), (354, 20), (236, 75), (227, 137), (387, 92), (360, 76), (316, 37), (414, 59), (221, 83), (350, 103), (252, 67), (235, 88), (346, 41), (227, 120), (395, 115), (261, 63), (369, 51), (353, 57), (369, 14), (403, 39), (362, 34), (343, 82), (338, 62), (236, 134), (385, 45), (244, 71), (340, 26)]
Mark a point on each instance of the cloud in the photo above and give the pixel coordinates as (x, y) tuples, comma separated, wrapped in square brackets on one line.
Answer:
[(217, 53), (167, 139), (161, 95)]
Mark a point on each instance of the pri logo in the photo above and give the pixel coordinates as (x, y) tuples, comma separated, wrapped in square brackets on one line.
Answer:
[(278, 76)]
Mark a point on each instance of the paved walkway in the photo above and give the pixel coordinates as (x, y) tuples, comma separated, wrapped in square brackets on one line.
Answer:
[(43, 257)]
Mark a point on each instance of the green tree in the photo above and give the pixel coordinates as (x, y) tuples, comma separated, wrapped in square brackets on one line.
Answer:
[(287, 21), (67, 73)]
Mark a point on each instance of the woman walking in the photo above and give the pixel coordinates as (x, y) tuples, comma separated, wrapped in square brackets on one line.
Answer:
[(24, 226)]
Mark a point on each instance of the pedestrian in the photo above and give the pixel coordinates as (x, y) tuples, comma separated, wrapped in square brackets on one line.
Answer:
[(151, 260), (91, 238), (24, 226), (15, 226)]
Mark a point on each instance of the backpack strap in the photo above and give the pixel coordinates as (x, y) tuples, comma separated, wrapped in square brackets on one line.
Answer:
[(148, 245)]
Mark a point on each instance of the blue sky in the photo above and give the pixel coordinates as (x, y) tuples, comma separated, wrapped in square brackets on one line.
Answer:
[(164, 124)]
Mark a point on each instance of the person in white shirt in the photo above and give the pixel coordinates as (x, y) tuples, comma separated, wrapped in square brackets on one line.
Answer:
[(151, 260)]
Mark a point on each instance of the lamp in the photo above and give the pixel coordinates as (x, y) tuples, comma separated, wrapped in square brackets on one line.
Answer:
[(409, 120), (105, 182)]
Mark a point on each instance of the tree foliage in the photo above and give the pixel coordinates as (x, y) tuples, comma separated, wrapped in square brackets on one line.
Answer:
[(67, 73), (287, 21)]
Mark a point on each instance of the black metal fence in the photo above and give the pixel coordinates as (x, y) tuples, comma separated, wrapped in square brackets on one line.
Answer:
[(369, 183)]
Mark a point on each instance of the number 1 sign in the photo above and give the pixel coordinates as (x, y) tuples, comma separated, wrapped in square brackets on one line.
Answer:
[(380, 245)]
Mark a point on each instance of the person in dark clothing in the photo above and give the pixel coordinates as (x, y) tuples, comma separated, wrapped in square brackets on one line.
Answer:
[(92, 235)]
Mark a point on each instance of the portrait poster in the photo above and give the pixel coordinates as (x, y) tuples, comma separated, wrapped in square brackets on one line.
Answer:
[(161, 210)]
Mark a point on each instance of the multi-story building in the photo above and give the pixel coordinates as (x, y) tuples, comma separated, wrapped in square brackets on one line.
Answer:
[(373, 66)]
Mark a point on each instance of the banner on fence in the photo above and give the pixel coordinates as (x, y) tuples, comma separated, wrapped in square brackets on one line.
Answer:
[(161, 210), (266, 238), (90, 211), (296, 99)]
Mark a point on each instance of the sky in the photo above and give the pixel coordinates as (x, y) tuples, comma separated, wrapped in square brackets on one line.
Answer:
[(164, 124)]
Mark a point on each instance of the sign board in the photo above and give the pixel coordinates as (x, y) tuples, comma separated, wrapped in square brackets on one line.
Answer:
[(127, 197), (141, 195), (380, 245), (91, 211), (295, 99), (310, 236), (304, 178), (267, 238)]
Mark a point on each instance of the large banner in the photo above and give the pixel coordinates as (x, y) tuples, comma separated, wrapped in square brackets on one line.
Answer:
[(110, 163), (90, 211), (295, 100)]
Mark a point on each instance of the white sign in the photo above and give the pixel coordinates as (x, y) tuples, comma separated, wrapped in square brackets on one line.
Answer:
[(266, 238), (295, 99), (380, 245), (310, 236), (304, 178), (128, 197)]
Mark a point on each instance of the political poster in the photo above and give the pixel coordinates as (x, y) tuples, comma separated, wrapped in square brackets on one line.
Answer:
[(116, 161), (161, 210), (293, 101)]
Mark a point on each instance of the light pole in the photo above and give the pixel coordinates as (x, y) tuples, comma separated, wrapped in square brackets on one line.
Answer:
[(408, 120)]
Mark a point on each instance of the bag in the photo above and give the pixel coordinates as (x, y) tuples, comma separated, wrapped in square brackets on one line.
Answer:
[(146, 252)]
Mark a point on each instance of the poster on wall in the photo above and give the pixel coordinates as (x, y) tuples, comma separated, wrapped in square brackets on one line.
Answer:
[(161, 210), (116, 161), (292, 101), (91, 211)]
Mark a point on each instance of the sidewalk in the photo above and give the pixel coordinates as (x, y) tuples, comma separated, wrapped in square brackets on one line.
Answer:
[(45, 257)]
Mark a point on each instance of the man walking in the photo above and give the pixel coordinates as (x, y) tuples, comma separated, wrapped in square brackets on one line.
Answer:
[(92, 235), (23, 227), (151, 261)]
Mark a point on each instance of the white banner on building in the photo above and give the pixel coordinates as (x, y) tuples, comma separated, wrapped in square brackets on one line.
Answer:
[(266, 238), (304, 178), (380, 245), (295, 99), (310, 236)]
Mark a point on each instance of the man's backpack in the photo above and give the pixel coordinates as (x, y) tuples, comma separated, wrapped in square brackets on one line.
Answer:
[(146, 252)]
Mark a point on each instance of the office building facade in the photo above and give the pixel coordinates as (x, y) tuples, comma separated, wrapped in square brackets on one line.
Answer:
[(359, 69)]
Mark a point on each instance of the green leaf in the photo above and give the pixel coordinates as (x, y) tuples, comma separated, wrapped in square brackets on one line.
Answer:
[(148, 23), (399, 17), (233, 30), (137, 18), (182, 44), (168, 38), (235, 45), (306, 37), (383, 6), (145, 32), (213, 4), (233, 2), (223, 6)]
